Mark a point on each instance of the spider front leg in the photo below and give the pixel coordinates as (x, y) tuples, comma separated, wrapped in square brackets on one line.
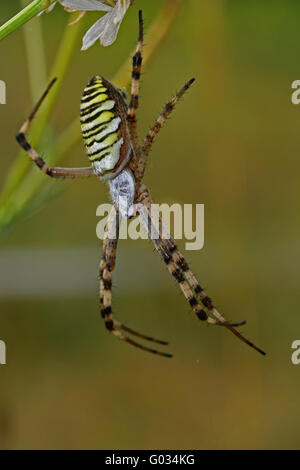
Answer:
[(139, 162), (107, 265), (180, 270), (55, 172), (135, 84)]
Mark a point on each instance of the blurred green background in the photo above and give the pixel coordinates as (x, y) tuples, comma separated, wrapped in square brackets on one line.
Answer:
[(232, 144)]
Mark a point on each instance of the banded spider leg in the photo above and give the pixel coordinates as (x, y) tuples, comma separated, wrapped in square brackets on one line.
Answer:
[(179, 269), (54, 172), (107, 265)]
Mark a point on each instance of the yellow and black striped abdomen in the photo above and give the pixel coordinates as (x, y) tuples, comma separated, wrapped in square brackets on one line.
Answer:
[(104, 127)]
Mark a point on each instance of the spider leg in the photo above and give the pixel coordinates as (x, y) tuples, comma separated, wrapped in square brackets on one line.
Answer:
[(107, 265), (178, 258), (139, 168), (178, 267), (174, 270), (135, 84), (55, 172)]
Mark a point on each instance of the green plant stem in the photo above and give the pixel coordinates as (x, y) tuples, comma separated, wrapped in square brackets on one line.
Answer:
[(35, 57), (23, 16)]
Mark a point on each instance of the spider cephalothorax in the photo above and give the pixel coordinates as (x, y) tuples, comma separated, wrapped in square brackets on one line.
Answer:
[(110, 138)]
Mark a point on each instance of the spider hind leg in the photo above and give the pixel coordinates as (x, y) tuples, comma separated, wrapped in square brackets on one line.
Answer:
[(107, 265), (179, 269)]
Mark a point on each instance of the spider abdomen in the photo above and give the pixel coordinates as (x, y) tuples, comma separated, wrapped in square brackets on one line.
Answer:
[(103, 114)]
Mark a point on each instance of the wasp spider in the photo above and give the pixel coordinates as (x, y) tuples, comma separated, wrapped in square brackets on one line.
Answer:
[(109, 131)]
